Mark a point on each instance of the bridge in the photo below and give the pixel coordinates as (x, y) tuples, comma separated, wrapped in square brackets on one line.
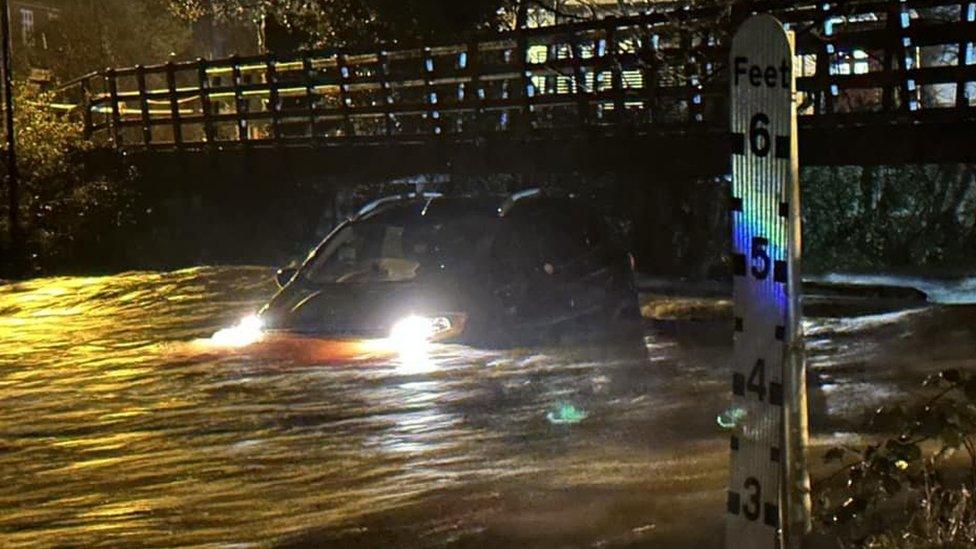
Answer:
[(879, 81)]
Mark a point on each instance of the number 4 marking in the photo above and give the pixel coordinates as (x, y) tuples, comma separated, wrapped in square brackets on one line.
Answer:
[(757, 380)]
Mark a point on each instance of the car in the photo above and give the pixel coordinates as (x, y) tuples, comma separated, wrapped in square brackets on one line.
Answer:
[(492, 270)]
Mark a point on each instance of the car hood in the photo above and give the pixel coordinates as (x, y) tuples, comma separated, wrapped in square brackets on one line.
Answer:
[(357, 309)]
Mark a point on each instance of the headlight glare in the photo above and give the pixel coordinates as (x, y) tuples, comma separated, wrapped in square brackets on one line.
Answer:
[(249, 330), (414, 329)]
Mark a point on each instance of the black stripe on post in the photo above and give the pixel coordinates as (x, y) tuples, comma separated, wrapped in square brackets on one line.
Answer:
[(474, 69), (784, 210), (383, 63), (780, 333), (143, 105), (203, 81), (734, 504), (579, 77), (775, 394), (240, 104), (739, 264), (738, 384), (274, 100), (779, 272), (348, 129), (782, 146), (308, 76), (771, 512), (86, 98), (113, 94), (738, 323), (174, 105), (736, 203), (738, 143)]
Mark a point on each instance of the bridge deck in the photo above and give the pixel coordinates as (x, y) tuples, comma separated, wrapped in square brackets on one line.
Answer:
[(878, 81)]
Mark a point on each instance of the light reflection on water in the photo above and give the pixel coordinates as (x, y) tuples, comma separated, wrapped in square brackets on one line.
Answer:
[(119, 423)]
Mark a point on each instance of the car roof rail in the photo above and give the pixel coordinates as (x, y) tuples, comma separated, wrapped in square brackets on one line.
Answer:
[(374, 205), (511, 199)]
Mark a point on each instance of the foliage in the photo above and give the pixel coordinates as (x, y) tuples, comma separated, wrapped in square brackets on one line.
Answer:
[(48, 142), (65, 212), (331, 23), (859, 218), (358, 23), (908, 491)]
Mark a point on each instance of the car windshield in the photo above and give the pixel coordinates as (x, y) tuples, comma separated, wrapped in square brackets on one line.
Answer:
[(383, 251)]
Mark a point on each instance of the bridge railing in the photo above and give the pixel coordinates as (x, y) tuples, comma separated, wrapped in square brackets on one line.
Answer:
[(857, 62)]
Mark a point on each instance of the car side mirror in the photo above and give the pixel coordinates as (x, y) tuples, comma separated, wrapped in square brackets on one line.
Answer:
[(284, 275)]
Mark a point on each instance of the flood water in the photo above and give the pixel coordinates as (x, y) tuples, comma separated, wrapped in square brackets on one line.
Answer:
[(122, 424)]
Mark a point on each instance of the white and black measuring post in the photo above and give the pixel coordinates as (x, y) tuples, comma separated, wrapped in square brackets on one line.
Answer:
[(767, 495)]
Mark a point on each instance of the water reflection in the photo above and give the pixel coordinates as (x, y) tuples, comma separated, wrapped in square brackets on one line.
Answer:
[(122, 423)]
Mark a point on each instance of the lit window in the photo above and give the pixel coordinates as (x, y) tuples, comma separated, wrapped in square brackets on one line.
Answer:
[(857, 62), (860, 62), (27, 26), (537, 54)]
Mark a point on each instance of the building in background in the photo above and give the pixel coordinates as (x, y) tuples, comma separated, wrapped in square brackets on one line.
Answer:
[(30, 29), (30, 21), (54, 41)]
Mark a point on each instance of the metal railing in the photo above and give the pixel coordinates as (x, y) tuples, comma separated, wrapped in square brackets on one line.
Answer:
[(857, 62)]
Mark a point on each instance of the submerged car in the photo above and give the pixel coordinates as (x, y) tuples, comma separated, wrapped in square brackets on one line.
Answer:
[(495, 270)]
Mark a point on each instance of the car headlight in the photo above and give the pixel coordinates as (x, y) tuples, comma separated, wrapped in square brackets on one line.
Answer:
[(415, 329), (411, 337), (249, 330)]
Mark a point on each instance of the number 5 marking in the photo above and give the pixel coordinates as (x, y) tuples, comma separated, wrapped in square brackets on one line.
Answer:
[(760, 254)]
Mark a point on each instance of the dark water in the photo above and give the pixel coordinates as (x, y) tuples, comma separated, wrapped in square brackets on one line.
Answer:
[(121, 424)]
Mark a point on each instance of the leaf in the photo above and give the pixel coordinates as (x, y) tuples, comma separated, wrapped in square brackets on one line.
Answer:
[(932, 379), (834, 454), (890, 485), (951, 375), (969, 389), (870, 451), (907, 452), (945, 453), (850, 509), (951, 438)]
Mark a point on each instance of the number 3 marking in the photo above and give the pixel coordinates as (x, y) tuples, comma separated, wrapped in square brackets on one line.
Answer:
[(751, 510)]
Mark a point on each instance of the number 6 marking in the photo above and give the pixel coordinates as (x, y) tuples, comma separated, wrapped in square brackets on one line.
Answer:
[(759, 141)]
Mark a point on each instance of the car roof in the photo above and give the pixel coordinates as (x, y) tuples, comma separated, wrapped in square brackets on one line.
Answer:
[(433, 206)]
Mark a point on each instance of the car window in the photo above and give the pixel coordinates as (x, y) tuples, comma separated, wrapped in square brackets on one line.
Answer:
[(362, 252), (377, 251), (570, 232)]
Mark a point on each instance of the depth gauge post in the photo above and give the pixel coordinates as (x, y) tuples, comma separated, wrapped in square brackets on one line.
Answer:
[(768, 492)]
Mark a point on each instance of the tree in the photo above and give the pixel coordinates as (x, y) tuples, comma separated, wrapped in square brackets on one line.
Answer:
[(69, 216), (359, 23), (90, 36)]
